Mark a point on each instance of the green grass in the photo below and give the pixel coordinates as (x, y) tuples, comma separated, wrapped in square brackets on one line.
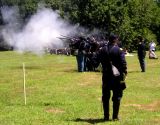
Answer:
[(58, 95)]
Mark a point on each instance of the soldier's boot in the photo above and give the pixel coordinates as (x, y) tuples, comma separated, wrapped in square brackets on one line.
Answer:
[(142, 67), (116, 105), (106, 110)]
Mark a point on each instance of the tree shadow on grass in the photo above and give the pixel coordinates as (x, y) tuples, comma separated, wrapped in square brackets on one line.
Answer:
[(27, 67), (70, 70), (91, 121), (134, 71), (76, 71)]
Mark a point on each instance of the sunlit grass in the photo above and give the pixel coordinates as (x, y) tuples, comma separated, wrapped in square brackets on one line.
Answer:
[(57, 94)]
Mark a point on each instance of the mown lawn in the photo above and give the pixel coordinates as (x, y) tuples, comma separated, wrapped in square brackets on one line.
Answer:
[(58, 95)]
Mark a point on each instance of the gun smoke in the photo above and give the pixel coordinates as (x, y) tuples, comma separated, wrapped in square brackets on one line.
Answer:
[(41, 30)]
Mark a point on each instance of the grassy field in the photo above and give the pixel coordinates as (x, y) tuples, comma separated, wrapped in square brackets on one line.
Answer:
[(58, 95)]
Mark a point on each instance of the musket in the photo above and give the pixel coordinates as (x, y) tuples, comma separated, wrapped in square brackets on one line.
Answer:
[(66, 37), (61, 38)]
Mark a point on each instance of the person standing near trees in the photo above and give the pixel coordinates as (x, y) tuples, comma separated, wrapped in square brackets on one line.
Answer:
[(108, 56), (141, 53)]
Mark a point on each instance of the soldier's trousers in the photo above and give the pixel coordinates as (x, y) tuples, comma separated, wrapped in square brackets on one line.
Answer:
[(142, 63), (81, 62), (117, 95)]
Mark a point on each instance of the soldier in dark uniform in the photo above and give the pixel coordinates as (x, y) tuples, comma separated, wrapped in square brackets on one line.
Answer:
[(81, 56), (141, 53), (111, 54), (93, 46)]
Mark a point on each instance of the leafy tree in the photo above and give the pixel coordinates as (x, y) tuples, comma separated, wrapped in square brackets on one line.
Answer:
[(27, 8), (128, 18)]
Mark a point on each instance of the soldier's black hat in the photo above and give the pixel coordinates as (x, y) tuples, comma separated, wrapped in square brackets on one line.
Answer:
[(140, 38), (113, 37)]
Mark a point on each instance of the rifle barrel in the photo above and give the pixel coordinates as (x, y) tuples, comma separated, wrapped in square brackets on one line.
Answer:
[(62, 38), (66, 37)]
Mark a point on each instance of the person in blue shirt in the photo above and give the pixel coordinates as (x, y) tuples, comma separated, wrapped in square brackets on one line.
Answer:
[(81, 56), (109, 55)]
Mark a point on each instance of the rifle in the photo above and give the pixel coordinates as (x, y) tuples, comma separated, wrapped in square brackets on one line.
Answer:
[(66, 38)]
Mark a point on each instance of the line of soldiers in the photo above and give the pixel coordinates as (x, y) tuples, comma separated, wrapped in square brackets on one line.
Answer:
[(84, 48)]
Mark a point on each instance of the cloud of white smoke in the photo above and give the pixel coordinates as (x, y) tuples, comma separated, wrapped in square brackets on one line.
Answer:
[(41, 31)]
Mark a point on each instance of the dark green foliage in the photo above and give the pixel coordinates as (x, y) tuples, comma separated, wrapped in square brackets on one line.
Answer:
[(128, 18), (27, 7)]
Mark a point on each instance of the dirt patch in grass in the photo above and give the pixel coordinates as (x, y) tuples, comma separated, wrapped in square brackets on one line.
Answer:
[(154, 106), (156, 121), (87, 81), (54, 110)]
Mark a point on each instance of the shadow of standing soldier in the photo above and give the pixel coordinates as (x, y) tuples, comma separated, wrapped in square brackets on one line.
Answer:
[(91, 121)]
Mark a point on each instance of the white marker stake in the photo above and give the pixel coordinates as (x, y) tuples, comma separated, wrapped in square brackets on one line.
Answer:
[(24, 83)]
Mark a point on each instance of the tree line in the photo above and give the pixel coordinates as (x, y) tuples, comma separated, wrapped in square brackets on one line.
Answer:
[(127, 18)]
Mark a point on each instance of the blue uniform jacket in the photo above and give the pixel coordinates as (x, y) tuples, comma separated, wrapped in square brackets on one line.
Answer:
[(141, 50), (108, 54)]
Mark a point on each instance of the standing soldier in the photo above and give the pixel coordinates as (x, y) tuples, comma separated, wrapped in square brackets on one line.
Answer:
[(110, 55), (141, 53), (81, 56)]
